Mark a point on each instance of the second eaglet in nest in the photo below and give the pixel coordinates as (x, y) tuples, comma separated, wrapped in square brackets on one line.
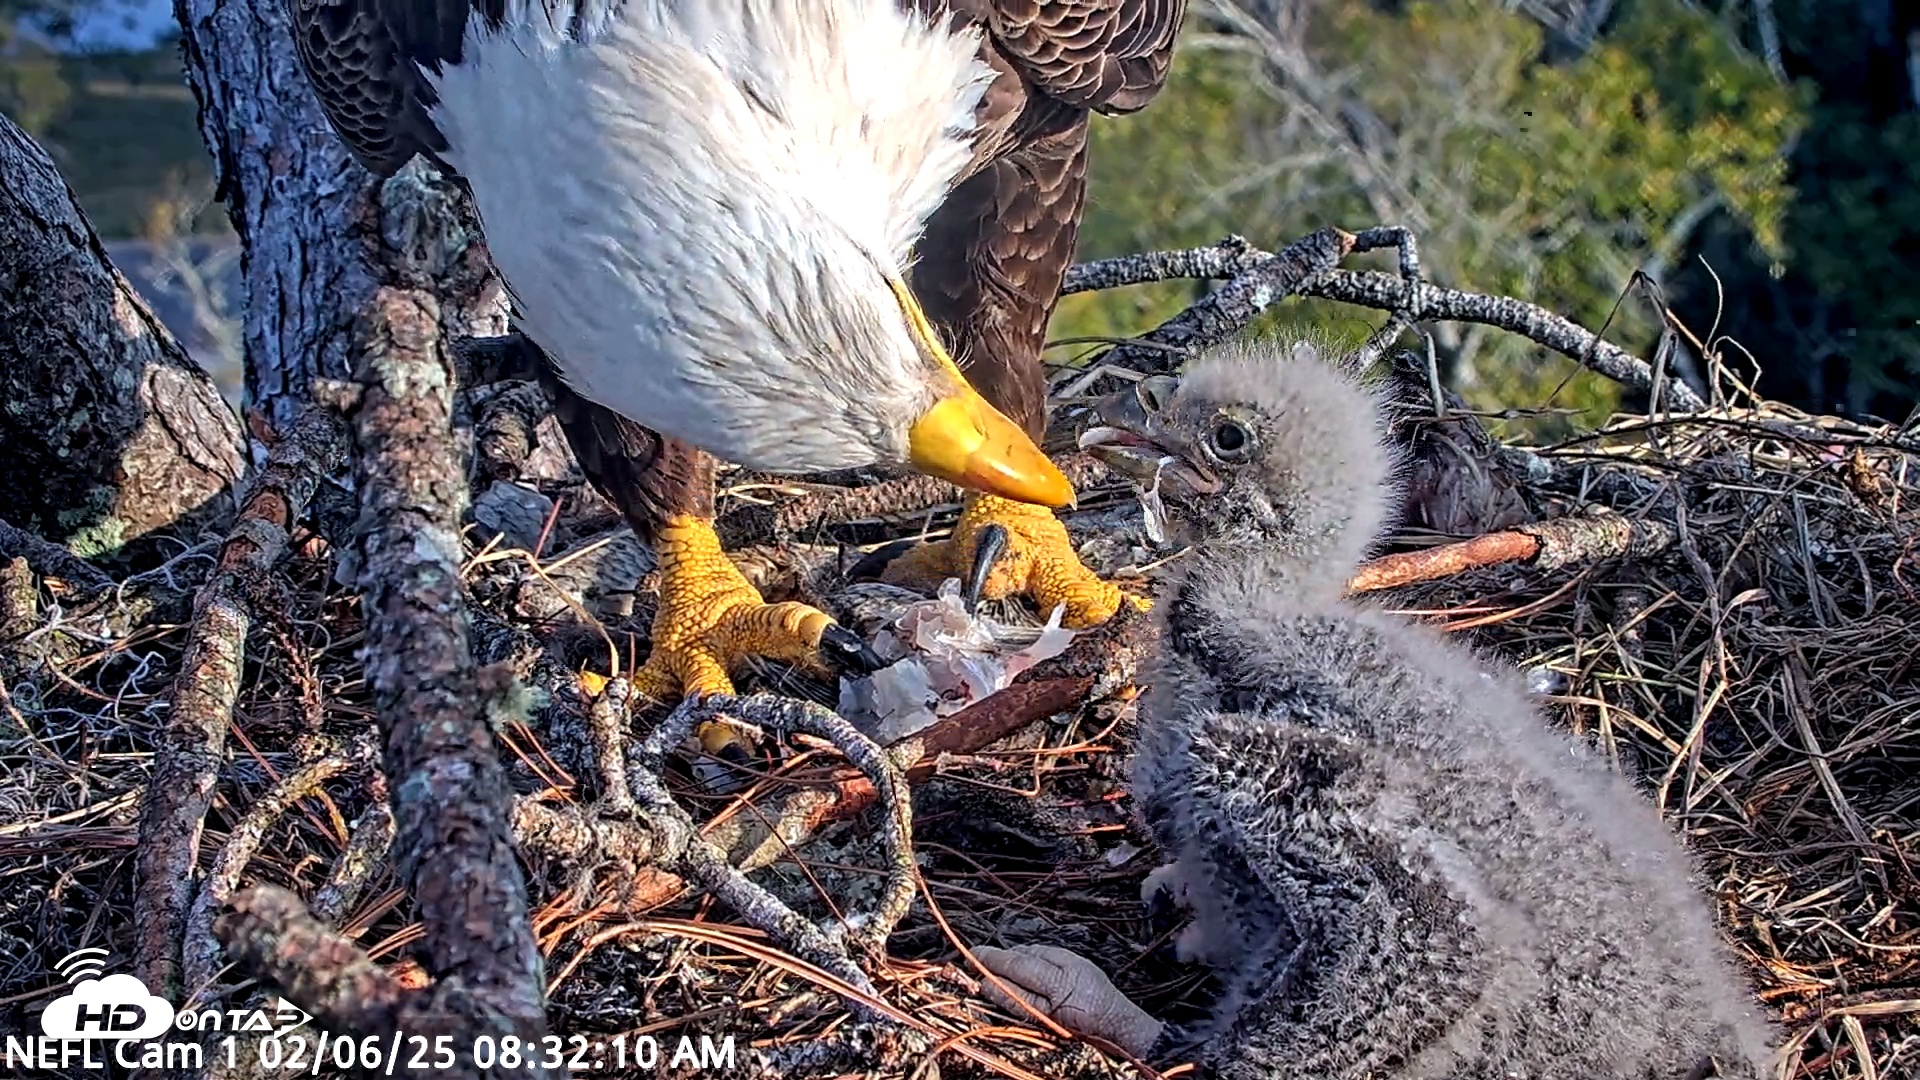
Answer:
[(1396, 868)]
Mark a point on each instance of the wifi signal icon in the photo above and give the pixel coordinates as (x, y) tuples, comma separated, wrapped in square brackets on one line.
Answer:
[(82, 964)]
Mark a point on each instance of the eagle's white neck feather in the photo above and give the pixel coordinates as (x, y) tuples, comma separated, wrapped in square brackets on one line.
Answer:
[(695, 201)]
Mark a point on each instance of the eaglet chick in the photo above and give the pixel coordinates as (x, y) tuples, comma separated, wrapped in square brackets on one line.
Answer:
[(1396, 868)]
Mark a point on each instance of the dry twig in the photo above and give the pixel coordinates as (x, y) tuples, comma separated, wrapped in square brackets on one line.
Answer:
[(706, 865), (201, 951)]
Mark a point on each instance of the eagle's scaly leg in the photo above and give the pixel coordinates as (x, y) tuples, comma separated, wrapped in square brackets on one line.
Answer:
[(1038, 561), (710, 618)]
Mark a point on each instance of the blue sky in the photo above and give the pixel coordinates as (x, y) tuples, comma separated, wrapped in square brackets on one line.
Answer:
[(124, 24)]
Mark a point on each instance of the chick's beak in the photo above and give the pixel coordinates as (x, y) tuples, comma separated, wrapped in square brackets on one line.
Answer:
[(1128, 436), (966, 441)]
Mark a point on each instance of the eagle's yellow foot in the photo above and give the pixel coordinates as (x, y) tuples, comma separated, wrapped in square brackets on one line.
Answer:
[(1001, 548), (710, 618)]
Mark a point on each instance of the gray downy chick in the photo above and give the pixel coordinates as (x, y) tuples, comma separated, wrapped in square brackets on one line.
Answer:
[(1397, 869)]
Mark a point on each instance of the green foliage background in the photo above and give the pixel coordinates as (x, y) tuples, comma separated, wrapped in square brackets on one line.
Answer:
[(1550, 182), (119, 124), (1524, 167)]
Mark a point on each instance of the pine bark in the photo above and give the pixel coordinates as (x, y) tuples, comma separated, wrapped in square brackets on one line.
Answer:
[(356, 289), (314, 248), (108, 430)]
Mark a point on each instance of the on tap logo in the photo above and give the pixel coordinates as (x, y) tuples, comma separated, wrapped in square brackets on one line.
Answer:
[(114, 1019), (114, 1007)]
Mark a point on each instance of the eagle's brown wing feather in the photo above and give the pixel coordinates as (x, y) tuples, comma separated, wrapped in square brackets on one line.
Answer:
[(994, 254), (991, 263), (649, 476), (363, 58), (1110, 56)]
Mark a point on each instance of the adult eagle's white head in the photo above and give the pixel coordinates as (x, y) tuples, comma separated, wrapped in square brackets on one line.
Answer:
[(704, 210)]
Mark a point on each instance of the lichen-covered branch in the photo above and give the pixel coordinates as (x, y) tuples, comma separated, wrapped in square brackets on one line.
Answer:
[(607, 724), (1231, 257), (110, 430), (882, 773), (346, 274), (504, 431), (1223, 313), (1258, 279), (1531, 321), (268, 932), (366, 851), (191, 744), (453, 839), (51, 560), (582, 835)]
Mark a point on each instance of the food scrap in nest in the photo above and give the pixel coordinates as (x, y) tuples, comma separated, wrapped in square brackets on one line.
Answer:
[(943, 659)]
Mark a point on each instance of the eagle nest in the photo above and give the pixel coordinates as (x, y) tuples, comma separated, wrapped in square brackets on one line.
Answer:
[(1723, 600)]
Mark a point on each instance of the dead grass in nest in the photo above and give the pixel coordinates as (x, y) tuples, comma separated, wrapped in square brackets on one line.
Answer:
[(1761, 677)]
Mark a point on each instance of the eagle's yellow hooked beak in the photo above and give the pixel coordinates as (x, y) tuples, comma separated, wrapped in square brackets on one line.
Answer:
[(966, 441)]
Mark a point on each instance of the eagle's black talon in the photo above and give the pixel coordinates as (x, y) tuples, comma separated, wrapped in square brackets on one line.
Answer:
[(871, 565), (986, 554), (847, 652)]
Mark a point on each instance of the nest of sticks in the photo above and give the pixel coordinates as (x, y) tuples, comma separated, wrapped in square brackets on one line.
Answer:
[(1721, 598)]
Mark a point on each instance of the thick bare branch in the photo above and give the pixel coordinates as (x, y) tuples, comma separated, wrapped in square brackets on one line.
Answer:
[(110, 430), (191, 745), (1547, 545)]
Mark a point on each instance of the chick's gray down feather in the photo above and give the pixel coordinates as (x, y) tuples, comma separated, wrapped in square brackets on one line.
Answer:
[(1397, 868)]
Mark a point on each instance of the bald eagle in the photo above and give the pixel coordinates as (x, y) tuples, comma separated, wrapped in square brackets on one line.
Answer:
[(708, 213)]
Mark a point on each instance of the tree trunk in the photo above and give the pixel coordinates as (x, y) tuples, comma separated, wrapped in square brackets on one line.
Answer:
[(108, 431), (310, 235), (348, 278)]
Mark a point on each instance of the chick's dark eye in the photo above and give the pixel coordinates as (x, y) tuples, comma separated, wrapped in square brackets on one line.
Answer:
[(1229, 440)]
